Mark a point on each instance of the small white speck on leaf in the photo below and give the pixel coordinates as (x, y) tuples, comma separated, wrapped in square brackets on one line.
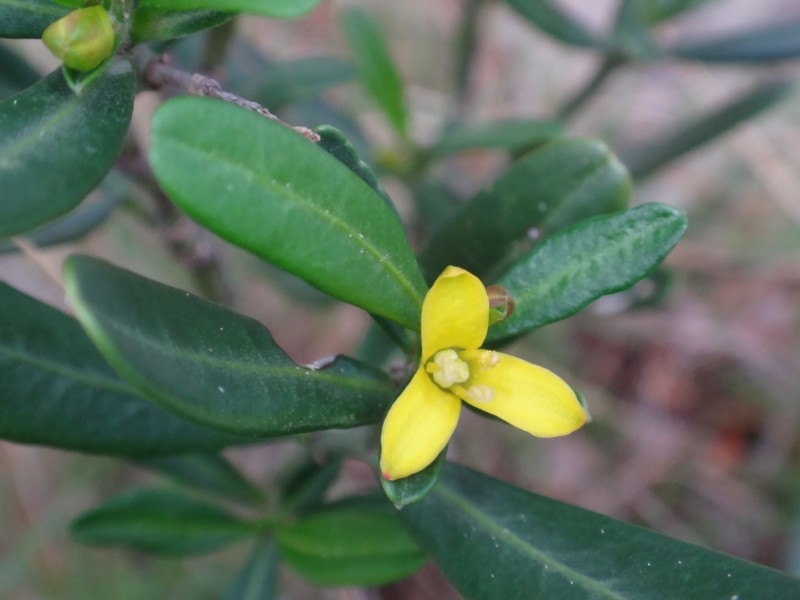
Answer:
[(221, 389)]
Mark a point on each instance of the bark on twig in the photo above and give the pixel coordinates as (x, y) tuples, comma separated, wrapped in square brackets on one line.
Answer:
[(158, 74)]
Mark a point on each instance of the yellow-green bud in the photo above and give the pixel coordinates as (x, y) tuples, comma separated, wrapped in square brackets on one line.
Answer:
[(83, 39)]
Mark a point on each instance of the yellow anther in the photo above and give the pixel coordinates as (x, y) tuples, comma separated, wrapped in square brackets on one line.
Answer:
[(447, 369), (480, 393)]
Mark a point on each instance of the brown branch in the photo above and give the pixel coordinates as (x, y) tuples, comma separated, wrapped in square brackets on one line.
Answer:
[(158, 74)]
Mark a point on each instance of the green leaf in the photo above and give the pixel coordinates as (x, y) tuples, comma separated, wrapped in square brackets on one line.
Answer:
[(778, 41), (15, 73), (79, 222), (493, 540), (306, 488), (161, 522), (55, 147), (558, 184), (378, 73), (354, 542), (405, 491), (645, 160), (657, 11), (210, 365), (28, 18), (337, 145), (514, 135), (159, 24), (631, 35), (265, 188), (277, 9), (556, 23), (258, 579), (592, 258), (56, 390), (209, 473)]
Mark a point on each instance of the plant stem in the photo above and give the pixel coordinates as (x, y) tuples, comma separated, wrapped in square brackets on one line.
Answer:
[(466, 40), (158, 74), (607, 67)]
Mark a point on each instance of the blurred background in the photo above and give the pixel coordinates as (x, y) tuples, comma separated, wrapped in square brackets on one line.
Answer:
[(692, 377)]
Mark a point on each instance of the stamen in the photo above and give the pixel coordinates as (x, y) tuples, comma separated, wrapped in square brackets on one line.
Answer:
[(447, 369), (480, 393)]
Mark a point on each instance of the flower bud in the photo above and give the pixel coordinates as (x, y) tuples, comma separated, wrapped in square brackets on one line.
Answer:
[(501, 304), (83, 39)]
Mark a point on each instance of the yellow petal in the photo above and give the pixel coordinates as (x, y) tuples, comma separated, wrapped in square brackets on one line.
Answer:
[(455, 313), (417, 428), (527, 396)]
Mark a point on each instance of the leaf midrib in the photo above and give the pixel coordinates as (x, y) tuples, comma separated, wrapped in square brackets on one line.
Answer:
[(301, 202), (558, 567)]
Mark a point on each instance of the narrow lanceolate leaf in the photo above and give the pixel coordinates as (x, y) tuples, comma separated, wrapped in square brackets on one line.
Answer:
[(514, 135), (657, 11), (56, 390), (359, 541), (265, 188), (544, 15), (258, 580), (306, 489), (493, 540), (56, 146), (560, 183), (778, 41), (210, 365), (28, 18), (279, 9), (576, 266), (379, 75), (643, 161), (209, 473), (159, 24), (162, 522)]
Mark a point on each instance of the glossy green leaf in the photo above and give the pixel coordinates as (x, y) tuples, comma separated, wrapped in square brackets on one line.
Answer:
[(358, 541), (55, 147), (161, 522), (337, 145), (279, 9), (493, 540), (306, 489), (28, 18), (15, 72), (265, 188), (514, 135), (553, 21), (579, 264), (210, 365), (778, 41), (405, 491), (258, 579), (558, 184), (643, 161), (378, 73), (209, 473), (159, 24), (56, 390), (84, 219)]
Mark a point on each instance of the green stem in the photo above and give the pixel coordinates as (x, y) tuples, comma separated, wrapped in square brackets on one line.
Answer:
[(466, 41), (607, 67)]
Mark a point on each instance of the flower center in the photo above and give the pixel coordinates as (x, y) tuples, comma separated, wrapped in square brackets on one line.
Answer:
[(458, 372), (447, 369)]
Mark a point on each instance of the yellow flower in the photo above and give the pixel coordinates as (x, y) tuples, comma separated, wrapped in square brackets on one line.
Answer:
[(455, 319)]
